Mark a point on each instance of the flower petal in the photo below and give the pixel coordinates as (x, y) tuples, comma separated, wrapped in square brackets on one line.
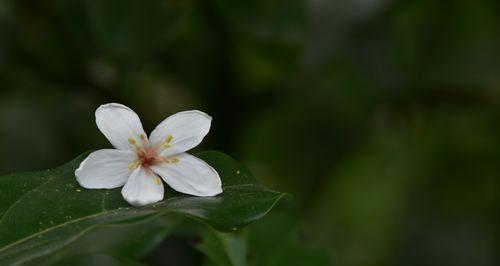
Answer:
[(105, 169), (190, 175), (119, 123), (184, 130), (142, 188)]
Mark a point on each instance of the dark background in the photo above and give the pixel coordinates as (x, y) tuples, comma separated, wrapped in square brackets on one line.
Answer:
[(380, 117)]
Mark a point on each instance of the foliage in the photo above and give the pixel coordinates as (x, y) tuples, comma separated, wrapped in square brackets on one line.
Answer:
[(47, 218)]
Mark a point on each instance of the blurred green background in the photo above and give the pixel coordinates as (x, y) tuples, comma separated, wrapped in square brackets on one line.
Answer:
[(380, 117)]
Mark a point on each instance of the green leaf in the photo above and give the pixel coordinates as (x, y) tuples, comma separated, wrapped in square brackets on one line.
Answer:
[(224, 249), (45, 216), (97, 259), (271, 242)]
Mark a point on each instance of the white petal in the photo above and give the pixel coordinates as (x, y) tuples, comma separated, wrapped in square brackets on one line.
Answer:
[(119, 123), (187, 130), (190, 175), (105, 169), (142, 188)]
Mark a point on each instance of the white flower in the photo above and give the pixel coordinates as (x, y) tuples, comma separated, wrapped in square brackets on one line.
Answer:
[(138, 160)]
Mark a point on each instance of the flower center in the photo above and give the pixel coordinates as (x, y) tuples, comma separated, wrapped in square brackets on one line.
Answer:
[(147, 156)]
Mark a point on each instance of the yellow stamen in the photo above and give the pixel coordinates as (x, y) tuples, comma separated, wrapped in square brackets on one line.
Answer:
[(170, 160), (158, 181), (166, 142), (133, 165), (133, 142), (143, 137)]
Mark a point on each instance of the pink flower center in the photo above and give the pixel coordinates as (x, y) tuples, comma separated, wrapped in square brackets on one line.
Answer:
[(148, 157)]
